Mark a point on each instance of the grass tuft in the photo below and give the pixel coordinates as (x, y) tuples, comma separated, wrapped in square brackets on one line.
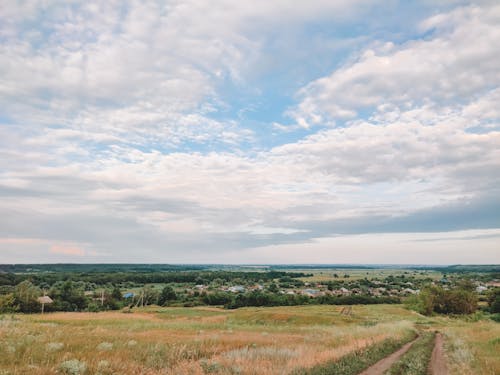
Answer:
[(73, 367)]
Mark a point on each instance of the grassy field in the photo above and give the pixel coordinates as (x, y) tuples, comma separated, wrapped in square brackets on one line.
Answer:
[(327, 274), (272, 340)]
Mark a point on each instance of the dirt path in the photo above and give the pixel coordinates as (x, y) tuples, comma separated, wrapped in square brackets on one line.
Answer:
[(385, 363), (438, 363)]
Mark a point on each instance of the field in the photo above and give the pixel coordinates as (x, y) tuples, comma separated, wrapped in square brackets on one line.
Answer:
[(270, 340)]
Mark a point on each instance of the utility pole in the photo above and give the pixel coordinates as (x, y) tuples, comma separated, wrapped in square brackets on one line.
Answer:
[(102, 297), (43, 301)]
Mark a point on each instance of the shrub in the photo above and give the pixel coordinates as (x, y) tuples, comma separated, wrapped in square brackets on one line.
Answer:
[(54, 346), (105, 346), (73, 367)]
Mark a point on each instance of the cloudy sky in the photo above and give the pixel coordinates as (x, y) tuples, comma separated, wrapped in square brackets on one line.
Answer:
[(267, 131)]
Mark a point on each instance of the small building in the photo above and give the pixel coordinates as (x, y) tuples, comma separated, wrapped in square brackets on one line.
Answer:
[(44, 300), (128, 295), (481, 289), (237, 289), (311, 292), (408, 291)]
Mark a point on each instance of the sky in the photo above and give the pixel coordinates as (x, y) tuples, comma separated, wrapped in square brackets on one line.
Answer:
[(267, 131)]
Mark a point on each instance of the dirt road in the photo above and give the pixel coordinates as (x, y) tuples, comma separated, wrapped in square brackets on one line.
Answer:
[(438, 362), (384, 364)]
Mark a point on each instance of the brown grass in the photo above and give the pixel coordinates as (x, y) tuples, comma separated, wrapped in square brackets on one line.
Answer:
[(184, 341)]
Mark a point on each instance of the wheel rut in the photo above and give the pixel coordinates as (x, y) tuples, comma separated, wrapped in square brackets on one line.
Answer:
[(437, 366)]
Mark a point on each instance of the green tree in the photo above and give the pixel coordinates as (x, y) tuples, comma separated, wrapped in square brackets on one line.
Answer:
[(116, 294), (494, 301), (435, 299), (273, 288), (167, 295), (26, 295), (8, 303)]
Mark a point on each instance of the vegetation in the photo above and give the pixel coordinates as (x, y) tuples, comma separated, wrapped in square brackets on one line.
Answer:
[(416, 360), (436, 299), (237, 320), (177, 340), (109, 287), (357, 361)]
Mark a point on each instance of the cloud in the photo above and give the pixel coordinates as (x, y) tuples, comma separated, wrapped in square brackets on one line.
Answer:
[(118, 140), (456, 60), (67, 250)]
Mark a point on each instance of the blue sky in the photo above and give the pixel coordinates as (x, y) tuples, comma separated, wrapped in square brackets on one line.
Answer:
[(261, 132)]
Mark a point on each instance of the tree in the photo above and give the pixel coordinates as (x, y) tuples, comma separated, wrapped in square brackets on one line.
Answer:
[(149, 295), (68, 297), (26, 295), (434, 299), (494, 301), (8, 303), (273, 288), (167, 295), (116, 294)]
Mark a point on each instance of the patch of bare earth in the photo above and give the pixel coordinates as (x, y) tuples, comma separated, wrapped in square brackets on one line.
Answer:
[(438, 362)]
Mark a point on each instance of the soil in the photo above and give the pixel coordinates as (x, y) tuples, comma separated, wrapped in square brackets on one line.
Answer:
[(384, 364), (438, 362)]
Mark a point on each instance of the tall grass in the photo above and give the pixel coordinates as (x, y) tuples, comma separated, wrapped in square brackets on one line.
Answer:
[(359, 360), (182, 341), (249, 341), (473, 347)]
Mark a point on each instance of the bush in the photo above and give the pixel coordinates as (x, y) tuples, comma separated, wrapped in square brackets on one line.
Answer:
[(73, 367), (495, 317), (8, 303)]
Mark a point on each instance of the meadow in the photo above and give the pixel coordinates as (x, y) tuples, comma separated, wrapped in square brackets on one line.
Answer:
[(210, 340)]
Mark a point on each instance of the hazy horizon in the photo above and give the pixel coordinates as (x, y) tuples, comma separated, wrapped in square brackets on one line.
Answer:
[(271, 132)]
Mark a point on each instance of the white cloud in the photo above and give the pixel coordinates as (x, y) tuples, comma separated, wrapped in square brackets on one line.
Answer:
[(458, 60), (108, 90), (148, 69)]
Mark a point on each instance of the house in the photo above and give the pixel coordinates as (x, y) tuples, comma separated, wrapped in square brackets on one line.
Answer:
[(481, 289), (408, 291), (311, 292), (237, 289), (493, 283), (128, 295), (341, 292)]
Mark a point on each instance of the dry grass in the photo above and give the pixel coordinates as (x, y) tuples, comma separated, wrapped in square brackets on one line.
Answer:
[(274, 340), (473, 347), (184, 341)]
